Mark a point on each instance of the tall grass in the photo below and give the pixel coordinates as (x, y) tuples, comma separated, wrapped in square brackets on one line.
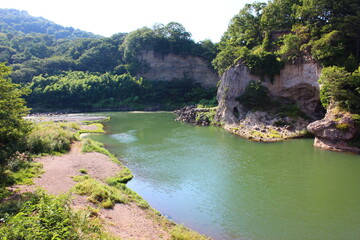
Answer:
[(50, 137), (99, 193)]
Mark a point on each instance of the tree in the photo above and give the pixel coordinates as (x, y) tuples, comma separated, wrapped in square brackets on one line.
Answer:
[(340, 87), (245, 28), (13, 127), (279, 15)]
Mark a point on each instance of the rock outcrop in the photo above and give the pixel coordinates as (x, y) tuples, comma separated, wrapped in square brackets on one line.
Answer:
[(196, 116), (297, 83), (334, 131), (171, 67)]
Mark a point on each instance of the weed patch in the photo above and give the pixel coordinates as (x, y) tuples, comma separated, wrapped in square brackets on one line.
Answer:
[(50, 137), (43, 216), (99, 193), (123, 176)]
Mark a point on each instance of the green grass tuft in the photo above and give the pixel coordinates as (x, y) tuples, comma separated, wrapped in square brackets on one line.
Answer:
[(94, 146), (180, 232), (99, 193), (133, 196), (123, 176)]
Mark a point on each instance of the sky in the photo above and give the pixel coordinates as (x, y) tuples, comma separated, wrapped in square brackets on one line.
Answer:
[(204, 19)]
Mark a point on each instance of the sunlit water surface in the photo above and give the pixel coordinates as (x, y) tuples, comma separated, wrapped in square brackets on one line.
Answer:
[(230, 188)]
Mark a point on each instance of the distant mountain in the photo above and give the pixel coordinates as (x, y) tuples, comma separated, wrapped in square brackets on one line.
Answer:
[(20, 22)]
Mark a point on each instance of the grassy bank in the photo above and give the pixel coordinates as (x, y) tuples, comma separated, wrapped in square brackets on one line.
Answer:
[(54, 217)]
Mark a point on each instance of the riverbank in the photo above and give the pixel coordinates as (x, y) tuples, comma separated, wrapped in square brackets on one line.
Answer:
[(127, 216), (255, 126)]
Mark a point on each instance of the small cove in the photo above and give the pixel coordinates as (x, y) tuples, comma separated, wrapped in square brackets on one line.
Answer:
[(230, 188)]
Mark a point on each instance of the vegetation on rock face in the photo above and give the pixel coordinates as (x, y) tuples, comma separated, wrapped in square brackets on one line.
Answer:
[(255, 96), (340, 87)]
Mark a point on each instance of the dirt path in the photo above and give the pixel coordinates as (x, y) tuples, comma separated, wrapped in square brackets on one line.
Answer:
[(127, 221)]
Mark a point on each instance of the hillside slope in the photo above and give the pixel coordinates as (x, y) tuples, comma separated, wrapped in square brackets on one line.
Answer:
[(20, 22)]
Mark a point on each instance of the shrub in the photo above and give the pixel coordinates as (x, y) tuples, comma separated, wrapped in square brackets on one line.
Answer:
[(50, 138), (340, 87), (45, 216), (291, 110), (264, 64), (255, 96)]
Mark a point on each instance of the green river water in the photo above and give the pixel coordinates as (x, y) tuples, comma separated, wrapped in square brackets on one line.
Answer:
[(230, 188)]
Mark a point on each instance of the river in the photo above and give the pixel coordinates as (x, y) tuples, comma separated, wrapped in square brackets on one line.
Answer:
[(230, 188)]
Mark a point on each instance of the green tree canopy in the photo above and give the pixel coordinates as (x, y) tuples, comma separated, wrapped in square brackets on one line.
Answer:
[(12, 110)]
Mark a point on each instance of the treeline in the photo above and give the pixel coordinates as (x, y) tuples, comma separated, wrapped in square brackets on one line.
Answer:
[(266, 36), (89, 91)]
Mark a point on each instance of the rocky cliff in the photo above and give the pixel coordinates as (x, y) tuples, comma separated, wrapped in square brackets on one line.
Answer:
[(297, 83), (171, 67)]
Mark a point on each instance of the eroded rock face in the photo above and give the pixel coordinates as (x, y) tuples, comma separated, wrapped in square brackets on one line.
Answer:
[(171, 67), (297, 83), (334, 131)]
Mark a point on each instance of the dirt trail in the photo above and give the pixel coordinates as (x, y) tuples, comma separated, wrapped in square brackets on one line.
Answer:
[(127, 221)]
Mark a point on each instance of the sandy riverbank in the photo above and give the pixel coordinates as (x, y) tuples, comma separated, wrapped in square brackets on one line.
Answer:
[(124, 220)]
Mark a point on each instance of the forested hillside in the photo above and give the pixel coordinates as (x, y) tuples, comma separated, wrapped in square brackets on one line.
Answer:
[(264, 37), (20, 22), (43, 54)]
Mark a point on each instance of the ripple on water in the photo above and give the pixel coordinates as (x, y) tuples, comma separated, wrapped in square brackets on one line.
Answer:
[(126, 137)]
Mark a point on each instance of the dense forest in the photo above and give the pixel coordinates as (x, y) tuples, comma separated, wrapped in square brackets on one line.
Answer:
[(60, 63)]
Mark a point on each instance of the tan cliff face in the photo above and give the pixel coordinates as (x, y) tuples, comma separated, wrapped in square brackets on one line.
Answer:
[(171, 67), (297, 83)]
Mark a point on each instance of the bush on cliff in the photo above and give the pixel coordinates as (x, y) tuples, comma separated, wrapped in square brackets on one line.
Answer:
[(340, 87), (255, 96)]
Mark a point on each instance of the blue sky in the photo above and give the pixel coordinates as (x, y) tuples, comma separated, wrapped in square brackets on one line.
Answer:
[(205, 19)]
